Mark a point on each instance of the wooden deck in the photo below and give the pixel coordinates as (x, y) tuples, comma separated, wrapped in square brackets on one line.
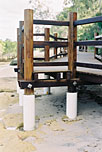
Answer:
[(75, 69), (84, 57)]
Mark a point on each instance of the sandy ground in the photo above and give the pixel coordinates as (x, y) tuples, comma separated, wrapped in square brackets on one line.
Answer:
[(54, 132)]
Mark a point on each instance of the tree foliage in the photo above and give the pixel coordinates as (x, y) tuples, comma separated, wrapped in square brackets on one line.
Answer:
[(84, 9), (41, 11), (8, 48)]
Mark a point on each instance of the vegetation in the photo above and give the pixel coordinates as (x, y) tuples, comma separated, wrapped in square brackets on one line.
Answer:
[(85, 9), (8, 49)]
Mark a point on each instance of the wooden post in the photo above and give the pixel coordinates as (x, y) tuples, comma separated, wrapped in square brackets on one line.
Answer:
[(46, 38), (47, 57), (18, 62), (21, 50), (96, 49), (28, 48), (72, 50), (55, 49), (71, 100)]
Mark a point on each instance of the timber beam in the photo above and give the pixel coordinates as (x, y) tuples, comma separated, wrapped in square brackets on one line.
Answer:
[(47, 83)]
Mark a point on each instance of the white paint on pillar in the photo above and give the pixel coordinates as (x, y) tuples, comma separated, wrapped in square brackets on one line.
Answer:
[(29, 112), (71, 105), (47, 89), (21, 93)]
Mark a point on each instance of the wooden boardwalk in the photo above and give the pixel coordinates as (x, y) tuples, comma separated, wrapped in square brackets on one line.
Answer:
[(83, 57), (76, 68)]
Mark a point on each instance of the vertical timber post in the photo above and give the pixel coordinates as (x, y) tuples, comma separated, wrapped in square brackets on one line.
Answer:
[(96, 49), (55, 49), (18, 74), (21, 49), (21, 58), (71, 104), (29, 98), (46, 38)]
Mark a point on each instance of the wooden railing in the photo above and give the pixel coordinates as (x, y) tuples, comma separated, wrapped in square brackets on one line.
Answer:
[(26, 44)]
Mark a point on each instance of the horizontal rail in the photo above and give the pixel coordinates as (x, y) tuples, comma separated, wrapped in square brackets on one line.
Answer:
[(58, 38), (38, 58), (66, 23), (39, 34), (88, 43), (51, 22), (78, 64), (89, 65), (51, 64), (64, 54), (46, 83), (53, 37), (42, 44), (88, 21)]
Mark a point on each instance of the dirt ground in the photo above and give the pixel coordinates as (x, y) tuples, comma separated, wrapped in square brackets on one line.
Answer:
[(54, 132)]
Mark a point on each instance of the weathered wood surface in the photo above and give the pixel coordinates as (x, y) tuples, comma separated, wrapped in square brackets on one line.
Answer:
[(18, 49), (51, 44), (88, 21), (46, 38), (51, 22), (55, 49), (28, 48), (72, 38), (21, 50)]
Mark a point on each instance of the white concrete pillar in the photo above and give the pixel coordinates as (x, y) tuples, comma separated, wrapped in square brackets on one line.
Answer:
[(71, 105), (29, 112), (21, 93), (47, 89)]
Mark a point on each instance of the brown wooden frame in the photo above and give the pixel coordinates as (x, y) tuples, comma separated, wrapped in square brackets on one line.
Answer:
[(25, 45)]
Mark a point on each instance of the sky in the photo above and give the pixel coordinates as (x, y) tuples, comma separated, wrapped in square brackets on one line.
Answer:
[(12, 11)]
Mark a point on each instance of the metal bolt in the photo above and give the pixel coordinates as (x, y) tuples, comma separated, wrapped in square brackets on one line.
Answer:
[(74, 83), (19, 70), (29, 86)]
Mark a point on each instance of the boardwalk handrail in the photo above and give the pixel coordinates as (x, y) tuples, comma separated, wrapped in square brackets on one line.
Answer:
[(38, 34), (70, 43), (42, 44), (51, 64), (78, 64), (88, 21), (58, 38), (51, 22), (66, 23), (88, 43)]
